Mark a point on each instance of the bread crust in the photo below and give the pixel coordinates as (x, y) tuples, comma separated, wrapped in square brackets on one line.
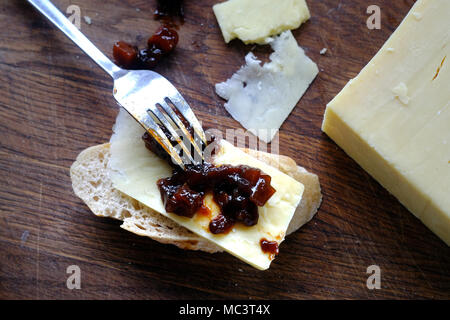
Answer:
[(92, 184)]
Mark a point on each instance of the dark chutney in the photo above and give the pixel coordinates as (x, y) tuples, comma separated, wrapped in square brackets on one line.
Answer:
[(237, 190), (160, 44), (270, 247)]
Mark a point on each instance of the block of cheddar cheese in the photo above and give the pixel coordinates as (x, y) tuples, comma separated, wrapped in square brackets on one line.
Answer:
[(394, 117)]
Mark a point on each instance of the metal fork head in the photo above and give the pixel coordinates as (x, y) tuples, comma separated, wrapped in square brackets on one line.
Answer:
[(158, 106)]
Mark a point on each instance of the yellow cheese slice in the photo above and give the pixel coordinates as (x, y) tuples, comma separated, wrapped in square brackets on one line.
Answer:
[(134, 170), (394, 117), (253, 21)]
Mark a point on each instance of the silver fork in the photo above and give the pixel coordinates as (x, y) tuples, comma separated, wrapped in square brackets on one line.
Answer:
[(146, 95)]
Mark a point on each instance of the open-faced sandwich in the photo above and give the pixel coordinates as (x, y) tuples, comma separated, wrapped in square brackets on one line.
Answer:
[(244, 202)]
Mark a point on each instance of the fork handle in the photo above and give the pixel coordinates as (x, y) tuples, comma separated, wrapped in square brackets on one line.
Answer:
[(58, 19)]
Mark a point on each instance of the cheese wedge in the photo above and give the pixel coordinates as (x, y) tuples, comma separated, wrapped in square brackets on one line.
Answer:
[(134, 171), (262, 97), (253, 21), (394, 117)]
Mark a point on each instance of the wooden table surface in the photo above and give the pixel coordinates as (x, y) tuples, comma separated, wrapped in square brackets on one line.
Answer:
[(55, 102)]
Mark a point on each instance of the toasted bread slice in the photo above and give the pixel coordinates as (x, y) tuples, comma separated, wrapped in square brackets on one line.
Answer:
[(91, 182)]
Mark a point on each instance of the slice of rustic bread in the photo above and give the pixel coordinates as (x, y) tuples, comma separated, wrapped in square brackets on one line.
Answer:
[(91, 182)]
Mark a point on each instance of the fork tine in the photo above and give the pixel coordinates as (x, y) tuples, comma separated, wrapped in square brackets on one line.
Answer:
[(183, 107), (153, 128), (183, 128), (162, 118), (155, 103)]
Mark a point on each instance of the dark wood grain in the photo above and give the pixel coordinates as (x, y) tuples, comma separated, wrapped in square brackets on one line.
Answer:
[(54, 102)]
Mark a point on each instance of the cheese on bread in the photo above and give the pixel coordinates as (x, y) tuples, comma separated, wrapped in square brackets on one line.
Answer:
[(91, 183), (134, 171)]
